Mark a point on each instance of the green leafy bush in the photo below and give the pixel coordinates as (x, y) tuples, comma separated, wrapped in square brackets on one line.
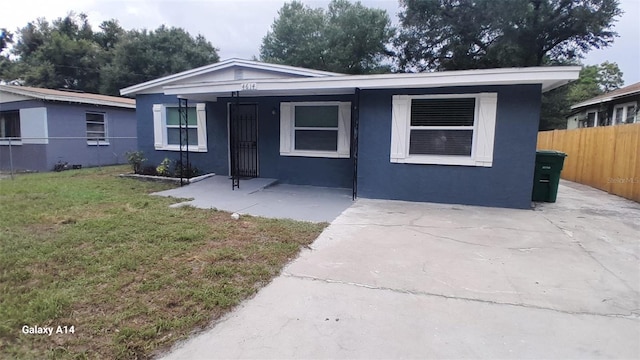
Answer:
[(136, 159), (164, 169)]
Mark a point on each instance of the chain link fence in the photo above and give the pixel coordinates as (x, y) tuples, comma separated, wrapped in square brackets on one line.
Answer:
[(39, 154)]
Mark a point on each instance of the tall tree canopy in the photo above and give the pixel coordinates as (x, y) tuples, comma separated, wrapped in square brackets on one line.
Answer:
[(58, 55), (145, 55), (67, 53), (348, 38), (472, 34)]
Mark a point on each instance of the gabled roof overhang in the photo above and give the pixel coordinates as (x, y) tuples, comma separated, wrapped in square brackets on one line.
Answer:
[(70, 97), (185, 76), (627, 91), (548, 77)]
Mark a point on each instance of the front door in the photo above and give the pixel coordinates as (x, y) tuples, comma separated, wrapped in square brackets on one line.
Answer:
[(243, 140)]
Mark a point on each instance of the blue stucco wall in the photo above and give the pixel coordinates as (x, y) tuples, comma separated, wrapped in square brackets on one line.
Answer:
[(26, 157), (206, 162), (69, 120), (508, 183), (290, 170)]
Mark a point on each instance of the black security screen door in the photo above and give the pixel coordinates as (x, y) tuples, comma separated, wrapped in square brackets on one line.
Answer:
[(243, 140)]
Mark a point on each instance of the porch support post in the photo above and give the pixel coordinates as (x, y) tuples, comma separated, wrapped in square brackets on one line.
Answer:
[(355, 123), (233, 129)]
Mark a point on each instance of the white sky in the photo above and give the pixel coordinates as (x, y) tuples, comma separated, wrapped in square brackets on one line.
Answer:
[(236, 27)]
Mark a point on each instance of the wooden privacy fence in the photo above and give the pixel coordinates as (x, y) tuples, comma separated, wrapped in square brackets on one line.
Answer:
[(607, 158)]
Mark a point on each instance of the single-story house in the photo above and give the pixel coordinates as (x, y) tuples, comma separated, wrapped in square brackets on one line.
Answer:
[(613, 108), (40, 128), (466, 137)]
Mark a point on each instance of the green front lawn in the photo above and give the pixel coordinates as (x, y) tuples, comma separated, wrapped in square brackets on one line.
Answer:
[(87, 249)]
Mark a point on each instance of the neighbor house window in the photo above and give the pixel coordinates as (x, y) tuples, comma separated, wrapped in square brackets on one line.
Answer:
[(625, 113), (9, 125), (592, 119), (315, 129), (443, 129), (166, 128), (96, 128)]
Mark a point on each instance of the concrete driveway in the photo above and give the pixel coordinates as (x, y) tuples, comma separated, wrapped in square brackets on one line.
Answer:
[(390, 279)]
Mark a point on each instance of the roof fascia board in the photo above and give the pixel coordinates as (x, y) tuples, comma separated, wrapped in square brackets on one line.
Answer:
[(73, 99), (601, 100), (549, 77)]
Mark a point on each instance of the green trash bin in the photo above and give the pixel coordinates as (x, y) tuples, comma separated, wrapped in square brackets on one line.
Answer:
[(547, 175)]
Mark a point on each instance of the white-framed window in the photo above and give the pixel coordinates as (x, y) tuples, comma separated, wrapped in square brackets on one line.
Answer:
[(456, 129), (10, 127), (166, 128), (315, 129), (592, 119), (96, 128), (625, 113)]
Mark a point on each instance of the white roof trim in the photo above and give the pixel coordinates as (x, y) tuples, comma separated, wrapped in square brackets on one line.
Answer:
[(604, 99), (548, 77), (132, 90), (67, 98)]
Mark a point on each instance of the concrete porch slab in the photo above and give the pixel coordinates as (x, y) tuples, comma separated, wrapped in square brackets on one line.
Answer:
[(264, 197)]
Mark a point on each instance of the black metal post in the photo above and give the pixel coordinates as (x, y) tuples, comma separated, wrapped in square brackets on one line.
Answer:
[(233, 129), (180, 135), (355, 124)]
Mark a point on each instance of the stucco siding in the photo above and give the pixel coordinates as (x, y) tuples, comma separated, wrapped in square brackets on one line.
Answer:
[(26, 157), (508, 183), (290, 170), (69, 120), (144, 116)]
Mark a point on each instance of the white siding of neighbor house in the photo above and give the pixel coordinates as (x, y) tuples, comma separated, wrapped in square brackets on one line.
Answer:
[(33, 126)]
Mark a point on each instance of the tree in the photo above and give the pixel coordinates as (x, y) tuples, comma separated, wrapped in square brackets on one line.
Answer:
[(6, 38), (609, 76), (6, 66), (68, 54), (145, 55), (348, 38), (594, 80), (59, 55), (469, 34)]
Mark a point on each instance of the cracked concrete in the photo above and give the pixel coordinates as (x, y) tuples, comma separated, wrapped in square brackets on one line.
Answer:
[(391, 279)]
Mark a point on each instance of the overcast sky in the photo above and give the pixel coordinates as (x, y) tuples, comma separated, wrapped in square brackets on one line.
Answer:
[(236, 27)]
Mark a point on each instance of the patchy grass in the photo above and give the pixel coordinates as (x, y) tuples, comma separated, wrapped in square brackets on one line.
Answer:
[(84, 248)]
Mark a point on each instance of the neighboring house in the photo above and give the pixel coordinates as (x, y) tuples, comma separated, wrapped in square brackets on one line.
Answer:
[(49, 126), (613, 108), (466, 137)]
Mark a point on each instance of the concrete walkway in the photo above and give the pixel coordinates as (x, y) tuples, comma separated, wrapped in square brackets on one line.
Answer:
[(390, 279), (265, 197)]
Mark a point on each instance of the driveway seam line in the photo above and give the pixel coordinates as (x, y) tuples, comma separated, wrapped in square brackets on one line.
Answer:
[(444, 227), (631, 316)]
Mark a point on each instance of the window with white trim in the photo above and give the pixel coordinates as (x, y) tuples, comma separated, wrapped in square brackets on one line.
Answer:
[(315, 129), (96, 128), (10, 125), (166, 128), (444, 129), (625, 113), (189, 130)]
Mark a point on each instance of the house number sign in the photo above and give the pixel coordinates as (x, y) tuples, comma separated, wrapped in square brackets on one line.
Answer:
[(249, 86)]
